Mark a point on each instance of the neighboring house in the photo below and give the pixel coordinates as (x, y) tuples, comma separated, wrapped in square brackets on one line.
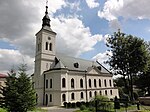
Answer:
[(58, 78), (2, 80)]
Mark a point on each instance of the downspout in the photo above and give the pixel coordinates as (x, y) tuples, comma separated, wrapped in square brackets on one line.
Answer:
[(44, 91)]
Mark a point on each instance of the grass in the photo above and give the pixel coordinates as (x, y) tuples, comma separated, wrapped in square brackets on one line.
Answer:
[(35, 110), (38, 110), (133, 107), (2, 110)]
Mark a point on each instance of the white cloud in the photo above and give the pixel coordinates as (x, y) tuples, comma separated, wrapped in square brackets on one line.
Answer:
[(20, 20), (125, 8), (10, 58), (102, 57), (73, 38), (92, 3)]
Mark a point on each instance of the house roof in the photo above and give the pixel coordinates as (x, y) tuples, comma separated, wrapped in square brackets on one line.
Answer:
[(72, 63), (3, 75)]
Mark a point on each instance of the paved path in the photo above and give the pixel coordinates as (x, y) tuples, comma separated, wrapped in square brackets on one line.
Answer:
[(58, 109)]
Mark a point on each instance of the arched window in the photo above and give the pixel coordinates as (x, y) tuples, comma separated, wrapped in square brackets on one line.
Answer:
[(111, 92), (99, 82), (81, 83), (90, 94), (100, 92), (63, 97), (46, 83), (105, 92), (46, 99), (72, 83), (105, 83), (95, 93), (50, 98), (46, 46), (51, 83), (63, 82), (110, 83), (81, 94), (94, 82), (50, 46), (72, 96), (90, 83)]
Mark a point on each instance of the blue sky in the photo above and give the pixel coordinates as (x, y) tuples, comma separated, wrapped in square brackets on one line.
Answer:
[(82, 27)]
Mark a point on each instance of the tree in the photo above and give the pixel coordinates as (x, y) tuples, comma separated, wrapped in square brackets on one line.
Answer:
[(18, 95), (129, 57)]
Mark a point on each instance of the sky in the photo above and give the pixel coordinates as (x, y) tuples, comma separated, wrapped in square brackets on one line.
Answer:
[(82, 27)]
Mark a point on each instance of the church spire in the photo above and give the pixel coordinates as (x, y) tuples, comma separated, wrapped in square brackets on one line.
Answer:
[(46, 19)]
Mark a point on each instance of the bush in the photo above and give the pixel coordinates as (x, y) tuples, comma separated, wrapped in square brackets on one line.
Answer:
[(102, 103), (73, 105), (83, 107), (69, 105), (65, 104), (78, 104), (82, 103), (87, 104)]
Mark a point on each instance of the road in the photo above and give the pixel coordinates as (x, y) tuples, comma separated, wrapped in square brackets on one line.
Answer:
[(61, 110), (58, 109)]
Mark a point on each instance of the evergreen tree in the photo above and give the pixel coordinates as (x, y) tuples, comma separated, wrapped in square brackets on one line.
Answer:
[(18, 95)]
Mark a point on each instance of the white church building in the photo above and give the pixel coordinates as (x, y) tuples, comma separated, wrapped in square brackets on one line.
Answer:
[(59, 78)]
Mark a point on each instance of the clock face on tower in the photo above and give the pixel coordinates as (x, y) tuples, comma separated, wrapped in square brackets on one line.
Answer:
[(49, 38)]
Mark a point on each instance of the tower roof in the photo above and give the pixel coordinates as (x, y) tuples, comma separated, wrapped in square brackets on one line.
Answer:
[(46, 19)]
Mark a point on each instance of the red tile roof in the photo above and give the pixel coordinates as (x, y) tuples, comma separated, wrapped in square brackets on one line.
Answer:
[(3, 75)]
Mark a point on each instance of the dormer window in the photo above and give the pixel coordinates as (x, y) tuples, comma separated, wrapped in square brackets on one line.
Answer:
[(76, 65), (99, 67)]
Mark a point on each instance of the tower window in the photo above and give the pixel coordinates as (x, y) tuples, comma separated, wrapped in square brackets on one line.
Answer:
[(63, 82), (50, 46), (81, 83), (46, 46)]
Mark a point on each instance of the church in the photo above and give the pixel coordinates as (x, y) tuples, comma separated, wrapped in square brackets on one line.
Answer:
[(60, 78)]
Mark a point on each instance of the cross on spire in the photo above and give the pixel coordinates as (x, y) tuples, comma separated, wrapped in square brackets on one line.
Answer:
[(46, 19)]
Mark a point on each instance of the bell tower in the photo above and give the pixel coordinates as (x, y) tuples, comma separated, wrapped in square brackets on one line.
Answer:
[(44, 55)]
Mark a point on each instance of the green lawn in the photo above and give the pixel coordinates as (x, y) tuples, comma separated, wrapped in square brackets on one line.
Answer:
[(142, 108), (2, 110), (36, 110)]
